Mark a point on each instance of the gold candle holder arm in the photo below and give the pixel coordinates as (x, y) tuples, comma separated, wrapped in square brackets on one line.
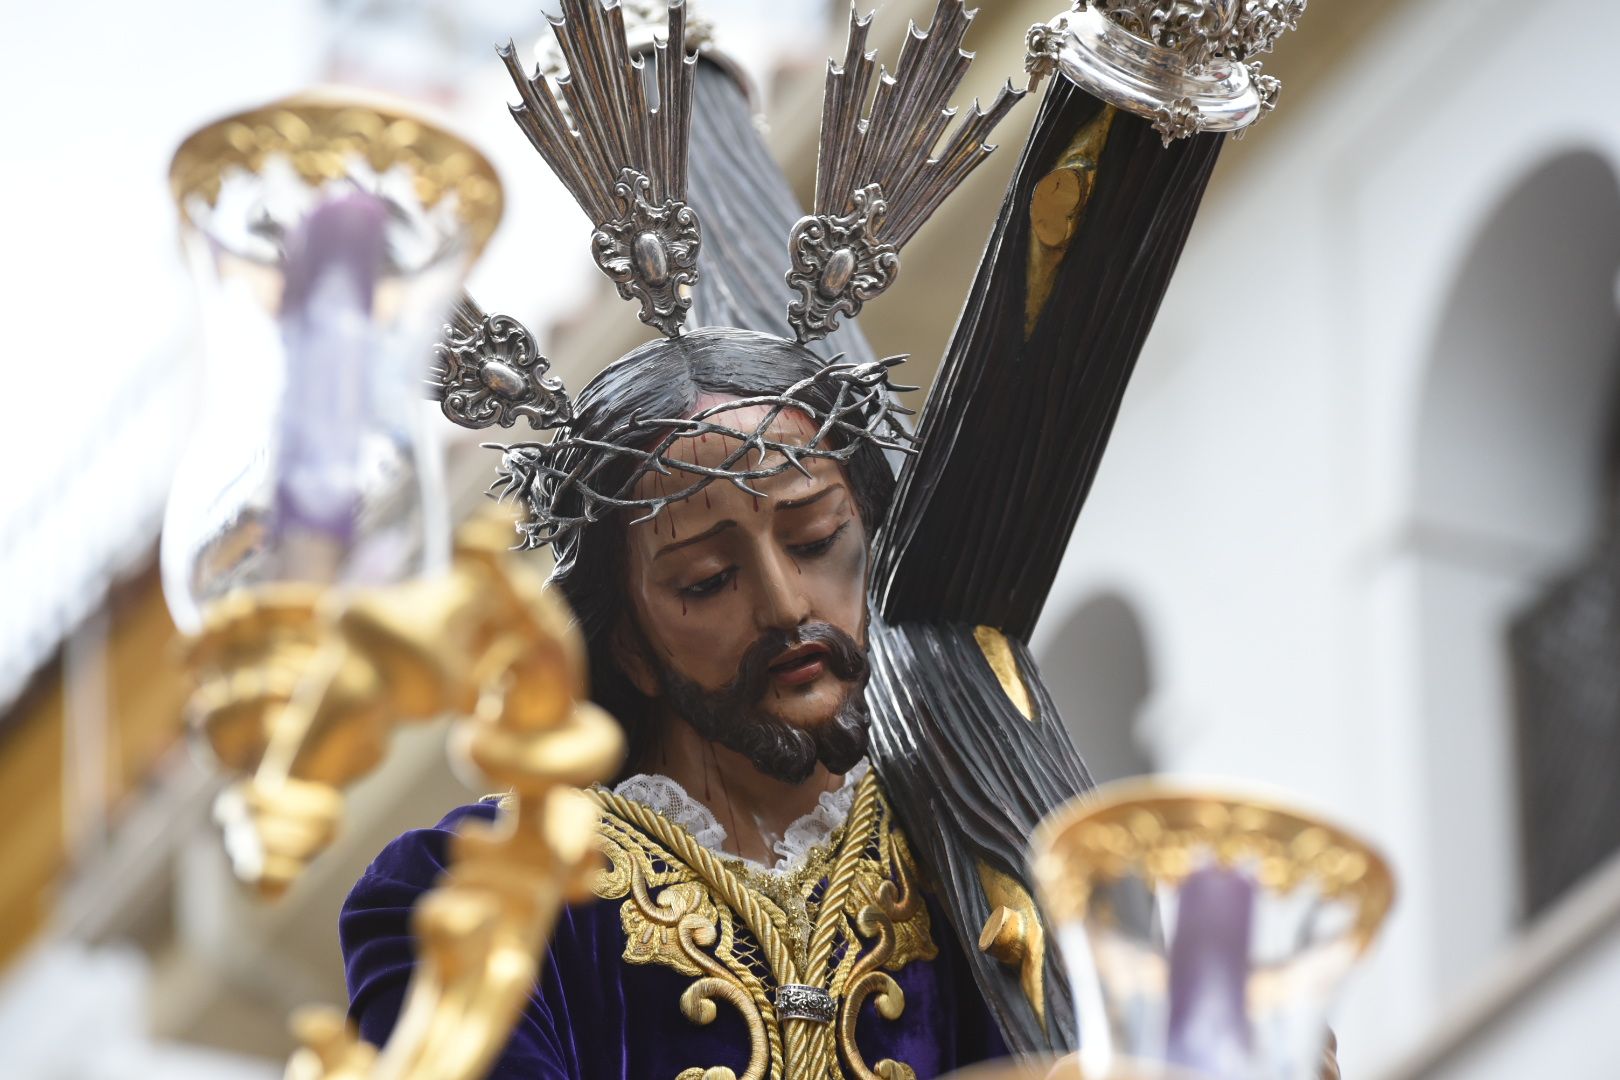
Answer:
[(481, 932), (391, 656)]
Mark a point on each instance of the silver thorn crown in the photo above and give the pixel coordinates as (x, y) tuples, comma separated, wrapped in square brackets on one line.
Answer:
[(877, 177), (622, 157), (571, 480), (488, 371)]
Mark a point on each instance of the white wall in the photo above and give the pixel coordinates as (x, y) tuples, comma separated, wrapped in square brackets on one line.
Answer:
[(1317, 617), (1565, 1028)]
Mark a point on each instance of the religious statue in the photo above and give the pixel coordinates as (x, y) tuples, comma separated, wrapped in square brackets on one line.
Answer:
[(810, 619)]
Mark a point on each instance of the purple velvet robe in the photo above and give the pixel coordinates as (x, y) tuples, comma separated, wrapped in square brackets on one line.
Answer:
[(592, 1016)]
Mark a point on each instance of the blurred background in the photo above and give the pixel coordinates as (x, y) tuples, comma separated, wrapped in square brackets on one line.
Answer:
[(1355, 536)]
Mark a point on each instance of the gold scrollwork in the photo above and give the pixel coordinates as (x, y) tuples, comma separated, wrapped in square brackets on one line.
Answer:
[(683, 928), (697, 1002), (892, 915), (876, 922), (682, 907)]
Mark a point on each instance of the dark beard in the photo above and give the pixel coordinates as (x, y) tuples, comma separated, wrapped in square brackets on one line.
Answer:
[(732, 717)]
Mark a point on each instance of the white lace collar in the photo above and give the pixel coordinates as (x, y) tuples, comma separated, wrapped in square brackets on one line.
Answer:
[(666, 797)]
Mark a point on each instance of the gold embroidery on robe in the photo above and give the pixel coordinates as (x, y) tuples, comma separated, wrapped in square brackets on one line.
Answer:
[(741, 933)]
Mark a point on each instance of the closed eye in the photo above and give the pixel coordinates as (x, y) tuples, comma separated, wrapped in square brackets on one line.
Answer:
[(709, 585), (819, 547)]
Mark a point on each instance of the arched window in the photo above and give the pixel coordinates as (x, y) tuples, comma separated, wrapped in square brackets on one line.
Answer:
[(1510, 494)]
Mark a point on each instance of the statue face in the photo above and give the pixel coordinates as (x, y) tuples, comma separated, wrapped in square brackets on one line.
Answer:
[(752, 611)]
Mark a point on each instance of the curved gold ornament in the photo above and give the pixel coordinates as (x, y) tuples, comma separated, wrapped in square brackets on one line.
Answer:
[(374, 660), (876, 921), (1057, 206), (321, 135), (697, 1001), (688, 926), (482, 931), (1015, 934), (247, 661), (687, 909), (486, 641)]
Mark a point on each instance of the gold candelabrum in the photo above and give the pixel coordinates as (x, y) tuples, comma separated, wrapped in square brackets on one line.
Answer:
[(327, 682), (305, 555)]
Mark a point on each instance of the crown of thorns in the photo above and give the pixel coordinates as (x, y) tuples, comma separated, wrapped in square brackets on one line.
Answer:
[(572, 481)]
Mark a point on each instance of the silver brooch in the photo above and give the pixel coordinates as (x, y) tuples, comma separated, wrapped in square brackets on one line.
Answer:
[(796, 1002)]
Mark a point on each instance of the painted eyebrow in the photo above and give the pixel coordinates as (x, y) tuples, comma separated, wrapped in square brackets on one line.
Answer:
[(721, 526), (794, 504), (709, 533)]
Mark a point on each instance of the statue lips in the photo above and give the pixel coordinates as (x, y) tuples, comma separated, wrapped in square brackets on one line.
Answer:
[(800, 665)]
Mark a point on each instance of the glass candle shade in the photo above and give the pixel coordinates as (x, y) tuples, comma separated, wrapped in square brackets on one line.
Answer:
[(328, 238), (1206, 935)]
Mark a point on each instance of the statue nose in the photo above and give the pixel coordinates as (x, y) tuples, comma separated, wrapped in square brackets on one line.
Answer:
[(784, 604)]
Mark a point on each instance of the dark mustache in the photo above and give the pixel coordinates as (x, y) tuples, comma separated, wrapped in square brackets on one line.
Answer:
[(844, 658), (733, 718)]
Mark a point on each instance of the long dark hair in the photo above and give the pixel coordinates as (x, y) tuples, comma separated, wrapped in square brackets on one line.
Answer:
[(666, 378)]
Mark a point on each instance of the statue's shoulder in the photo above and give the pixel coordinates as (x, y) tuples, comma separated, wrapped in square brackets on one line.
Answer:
[(416, 858)]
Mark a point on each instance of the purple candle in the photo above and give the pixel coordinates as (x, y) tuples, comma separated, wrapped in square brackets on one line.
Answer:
[(1209, 972), (333, 262)]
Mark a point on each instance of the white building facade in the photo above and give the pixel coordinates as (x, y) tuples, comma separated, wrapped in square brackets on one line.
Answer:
[(1371, 424)]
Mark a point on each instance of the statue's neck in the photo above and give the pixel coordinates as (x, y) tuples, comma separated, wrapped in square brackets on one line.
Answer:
[(755, 809)]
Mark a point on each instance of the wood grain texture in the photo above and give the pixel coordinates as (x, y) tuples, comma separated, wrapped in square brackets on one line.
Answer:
[(1015, 431), (1012, 439), (748, 210), (970, 778)]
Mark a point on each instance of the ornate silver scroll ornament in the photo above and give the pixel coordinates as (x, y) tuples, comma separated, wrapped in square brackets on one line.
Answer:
[(622, 156), (650, 253), (487, 371), (839, 264), (796, 1002), (877, 175), (1186, 65)]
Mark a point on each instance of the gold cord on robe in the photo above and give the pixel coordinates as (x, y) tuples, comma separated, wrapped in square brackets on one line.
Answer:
[(741, 934)]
